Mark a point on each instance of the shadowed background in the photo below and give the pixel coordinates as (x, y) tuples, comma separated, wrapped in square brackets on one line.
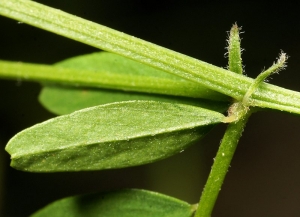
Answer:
[(264, 177)]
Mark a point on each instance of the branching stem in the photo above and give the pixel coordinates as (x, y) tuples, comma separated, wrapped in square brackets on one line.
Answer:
[(238, 115), (275, 68), (220, 166)]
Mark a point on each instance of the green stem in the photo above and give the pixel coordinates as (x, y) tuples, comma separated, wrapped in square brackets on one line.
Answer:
[(234, 51), (221, 166), (212, 77), (281, 63), (103, 79)]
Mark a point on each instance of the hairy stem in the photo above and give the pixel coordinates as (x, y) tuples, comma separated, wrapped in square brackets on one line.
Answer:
[(234, 51), (275, 68), (221, 166)]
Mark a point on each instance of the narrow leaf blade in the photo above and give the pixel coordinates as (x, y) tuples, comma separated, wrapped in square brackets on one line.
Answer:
[(118, 72), (110, 136), (123, 73), (125, 203), (64, 100)]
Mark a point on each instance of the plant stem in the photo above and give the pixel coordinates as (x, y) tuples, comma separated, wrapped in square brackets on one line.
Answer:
[(105, 79), (234, 51), (212, 77), (220, 166), (275, 68), (238, 111)]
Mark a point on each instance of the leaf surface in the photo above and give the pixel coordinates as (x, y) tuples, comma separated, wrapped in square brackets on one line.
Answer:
[(110, 136), (118, 72), (125, 203), (64, 100)]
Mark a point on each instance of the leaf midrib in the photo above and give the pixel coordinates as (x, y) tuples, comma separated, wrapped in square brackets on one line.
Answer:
[(129, 139)]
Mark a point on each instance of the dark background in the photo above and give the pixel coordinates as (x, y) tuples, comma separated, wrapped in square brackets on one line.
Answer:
[(264, 178)]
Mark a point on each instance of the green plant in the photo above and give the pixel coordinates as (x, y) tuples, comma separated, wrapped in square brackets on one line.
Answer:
[(205, 77)]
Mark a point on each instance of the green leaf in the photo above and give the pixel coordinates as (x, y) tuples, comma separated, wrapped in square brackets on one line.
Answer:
[(64, 100), (125, 203), (121, 73), (109, 63), (110, 136), (67, 99)]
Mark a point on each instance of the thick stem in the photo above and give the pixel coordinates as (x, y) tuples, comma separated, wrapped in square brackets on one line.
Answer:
[(220, 166)]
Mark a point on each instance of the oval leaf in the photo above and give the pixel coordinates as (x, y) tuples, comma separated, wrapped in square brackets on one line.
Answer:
[(64, 100), (125, 203), (110, 136)]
